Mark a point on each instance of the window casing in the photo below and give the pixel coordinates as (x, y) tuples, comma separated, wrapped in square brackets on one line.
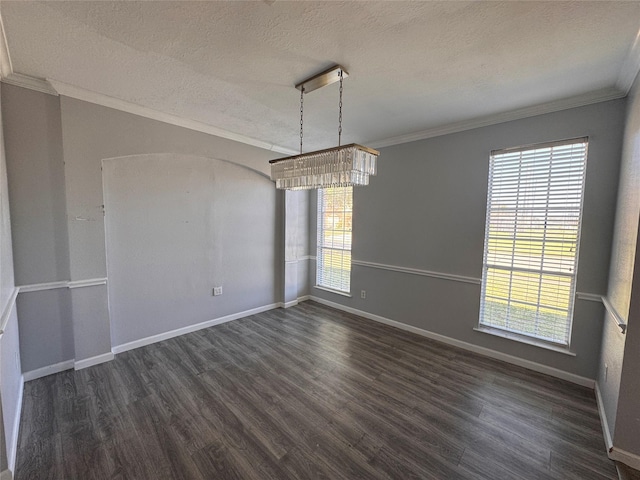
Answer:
[(335, 214), (532, 235)]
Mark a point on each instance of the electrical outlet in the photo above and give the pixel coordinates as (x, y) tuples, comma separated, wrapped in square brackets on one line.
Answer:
[(363, 294), (217, 291), (606, 372)]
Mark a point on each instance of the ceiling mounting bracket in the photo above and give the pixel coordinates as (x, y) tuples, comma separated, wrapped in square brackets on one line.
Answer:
[(332, 75)]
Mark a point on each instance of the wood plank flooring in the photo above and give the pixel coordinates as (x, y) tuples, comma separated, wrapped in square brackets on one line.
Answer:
[(308, 393)]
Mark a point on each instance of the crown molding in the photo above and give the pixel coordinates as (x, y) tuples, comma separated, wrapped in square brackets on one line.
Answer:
[(32, 83), (5, 59), (125, 106), (630, 67), (550, 107)]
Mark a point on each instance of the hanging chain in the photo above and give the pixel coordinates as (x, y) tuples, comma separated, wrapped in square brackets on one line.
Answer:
[(301, 115), (340, 114)]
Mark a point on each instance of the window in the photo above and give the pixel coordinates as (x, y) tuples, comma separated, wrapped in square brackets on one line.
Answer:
[(532, 233), (335, 211)]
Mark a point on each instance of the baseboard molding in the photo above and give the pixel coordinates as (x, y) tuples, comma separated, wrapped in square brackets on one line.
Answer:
[(487, 352), (6, 475), (622, 456), (13, 450), (295, 302), (67, 365), (603, 419), (191, 328), (91, 361), (48, 370)]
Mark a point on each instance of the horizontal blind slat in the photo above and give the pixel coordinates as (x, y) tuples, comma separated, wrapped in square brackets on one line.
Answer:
[(534, 213)]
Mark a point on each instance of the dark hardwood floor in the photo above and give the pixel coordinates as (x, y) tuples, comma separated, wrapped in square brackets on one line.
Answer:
[(308, 392)]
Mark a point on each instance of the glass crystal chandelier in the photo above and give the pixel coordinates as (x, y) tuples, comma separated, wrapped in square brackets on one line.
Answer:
[(339, 166)]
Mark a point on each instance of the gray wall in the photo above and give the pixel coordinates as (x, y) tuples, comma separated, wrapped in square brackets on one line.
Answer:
[(56, 146), (33, 140), (426, 210), (620, 388), (91, 133), (36, 185), (626, 435), (10, 368), (177, 226)]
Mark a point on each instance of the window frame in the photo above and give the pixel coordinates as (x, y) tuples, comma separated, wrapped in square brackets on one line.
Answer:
[(321, 244), (578, 161)]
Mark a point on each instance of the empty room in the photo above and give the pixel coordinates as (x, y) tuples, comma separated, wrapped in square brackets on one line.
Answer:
[(331, 240)]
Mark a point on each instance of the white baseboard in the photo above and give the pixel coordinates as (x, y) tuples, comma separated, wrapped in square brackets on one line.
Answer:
[(91, 361), (295, 302), (630, 459), (487, 352), (48, 370), (191, 328), (615, 453), (603, 419), (6, 475), (13, 448)]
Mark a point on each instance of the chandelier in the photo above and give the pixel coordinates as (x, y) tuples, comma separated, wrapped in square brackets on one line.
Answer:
[(340, 166)]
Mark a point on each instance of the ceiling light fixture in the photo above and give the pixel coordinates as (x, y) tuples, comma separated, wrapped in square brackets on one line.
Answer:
[(339, 166)]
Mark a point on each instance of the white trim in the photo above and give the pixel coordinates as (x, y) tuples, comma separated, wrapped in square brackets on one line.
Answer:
[(38, 287), (630, 67), (590, 297), (13, 452), (8, 308), (91, 361), (5, 58), (124, 106), (6, 475), (32, 83), (91, 282), (295, 302), (630, 459), (332, 290), (516, 337), (550, 107), (536, 367), (190, 328), (622, 324), (603, 419), (304, 258), (417, 271), (48, 370)]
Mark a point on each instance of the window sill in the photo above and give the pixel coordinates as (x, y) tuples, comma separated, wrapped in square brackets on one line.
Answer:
[(330, 290), (524, 339)]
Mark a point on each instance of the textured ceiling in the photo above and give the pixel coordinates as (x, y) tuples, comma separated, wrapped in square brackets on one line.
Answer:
[(413, 65)]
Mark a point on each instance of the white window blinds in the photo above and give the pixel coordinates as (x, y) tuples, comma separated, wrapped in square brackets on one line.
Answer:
[(335, 213), (534, 212)]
